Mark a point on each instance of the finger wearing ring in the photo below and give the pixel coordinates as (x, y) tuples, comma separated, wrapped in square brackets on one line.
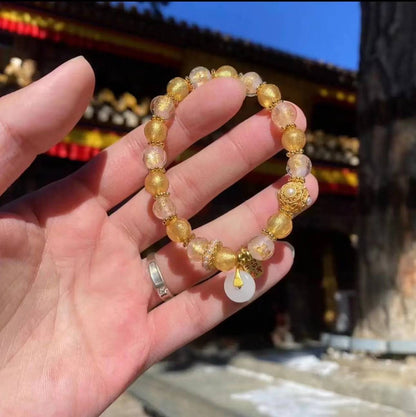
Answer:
[(157, 279)]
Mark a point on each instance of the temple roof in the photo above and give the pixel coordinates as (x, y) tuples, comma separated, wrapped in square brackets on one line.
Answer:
[(183, 35)]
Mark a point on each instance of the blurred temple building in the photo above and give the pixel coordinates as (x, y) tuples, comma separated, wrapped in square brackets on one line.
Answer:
[(134, 56)]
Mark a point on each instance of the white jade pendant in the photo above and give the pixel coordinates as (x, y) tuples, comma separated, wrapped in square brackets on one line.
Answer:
[(243, 294)]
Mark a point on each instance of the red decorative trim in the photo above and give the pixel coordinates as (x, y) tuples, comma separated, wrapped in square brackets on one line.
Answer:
[(85, 153), (27, 29), (73, 151), (324, 187)]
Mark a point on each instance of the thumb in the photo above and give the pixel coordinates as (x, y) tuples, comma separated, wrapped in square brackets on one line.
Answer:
[(36, 117)]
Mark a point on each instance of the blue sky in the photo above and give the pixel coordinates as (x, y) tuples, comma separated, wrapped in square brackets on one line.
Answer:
[(326, 31), (323, 31)]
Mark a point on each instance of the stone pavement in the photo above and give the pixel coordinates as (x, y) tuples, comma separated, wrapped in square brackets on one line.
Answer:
[(307, 383), (246, 387), (388, 382), (125, 406)]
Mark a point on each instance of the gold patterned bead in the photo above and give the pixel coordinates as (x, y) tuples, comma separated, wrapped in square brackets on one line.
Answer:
[(268, 95), (226, 71), (225, 259), (177, 89), (279, 225), (293, 139), (156, 182), (179, 230), (293, 197), (155, 131)]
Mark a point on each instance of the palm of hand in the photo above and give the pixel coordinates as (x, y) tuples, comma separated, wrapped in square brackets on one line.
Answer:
[(80, 304), (79, 318)]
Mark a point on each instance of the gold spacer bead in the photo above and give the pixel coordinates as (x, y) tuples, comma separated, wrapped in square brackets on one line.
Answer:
[(269, 234), (298, 179), (273, 105), (188, 81), (162, 170), (186, 241), (169, 219), (291, 153), (160, 144), (154, 117), (209, 254), (176, 102), (289, 126), (218, 246), (287, 213), (213, 73), (164, 194), (258, 88)]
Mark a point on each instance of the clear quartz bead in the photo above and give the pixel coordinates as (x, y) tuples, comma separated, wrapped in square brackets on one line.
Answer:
[(154, 157), (252, 81), (199, 76), (243, 294), (164, 207), (196, 248), (163, 107), (299, 165), (284, 114), (261, 247)]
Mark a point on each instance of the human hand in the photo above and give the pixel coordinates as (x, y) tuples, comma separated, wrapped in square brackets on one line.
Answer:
[(79, 318)]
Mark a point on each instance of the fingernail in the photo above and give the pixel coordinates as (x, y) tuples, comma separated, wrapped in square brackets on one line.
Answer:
[(75, 58), (56, 72), (290, 247)]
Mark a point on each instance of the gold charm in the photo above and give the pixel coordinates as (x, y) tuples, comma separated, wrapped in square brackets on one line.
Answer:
[(238, 282), (247, 263), (293, 197)]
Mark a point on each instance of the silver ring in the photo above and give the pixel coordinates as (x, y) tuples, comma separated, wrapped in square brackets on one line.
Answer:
[(157, 279)]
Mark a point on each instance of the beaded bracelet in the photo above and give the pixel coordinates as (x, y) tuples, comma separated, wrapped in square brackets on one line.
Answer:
[(293, 197)]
